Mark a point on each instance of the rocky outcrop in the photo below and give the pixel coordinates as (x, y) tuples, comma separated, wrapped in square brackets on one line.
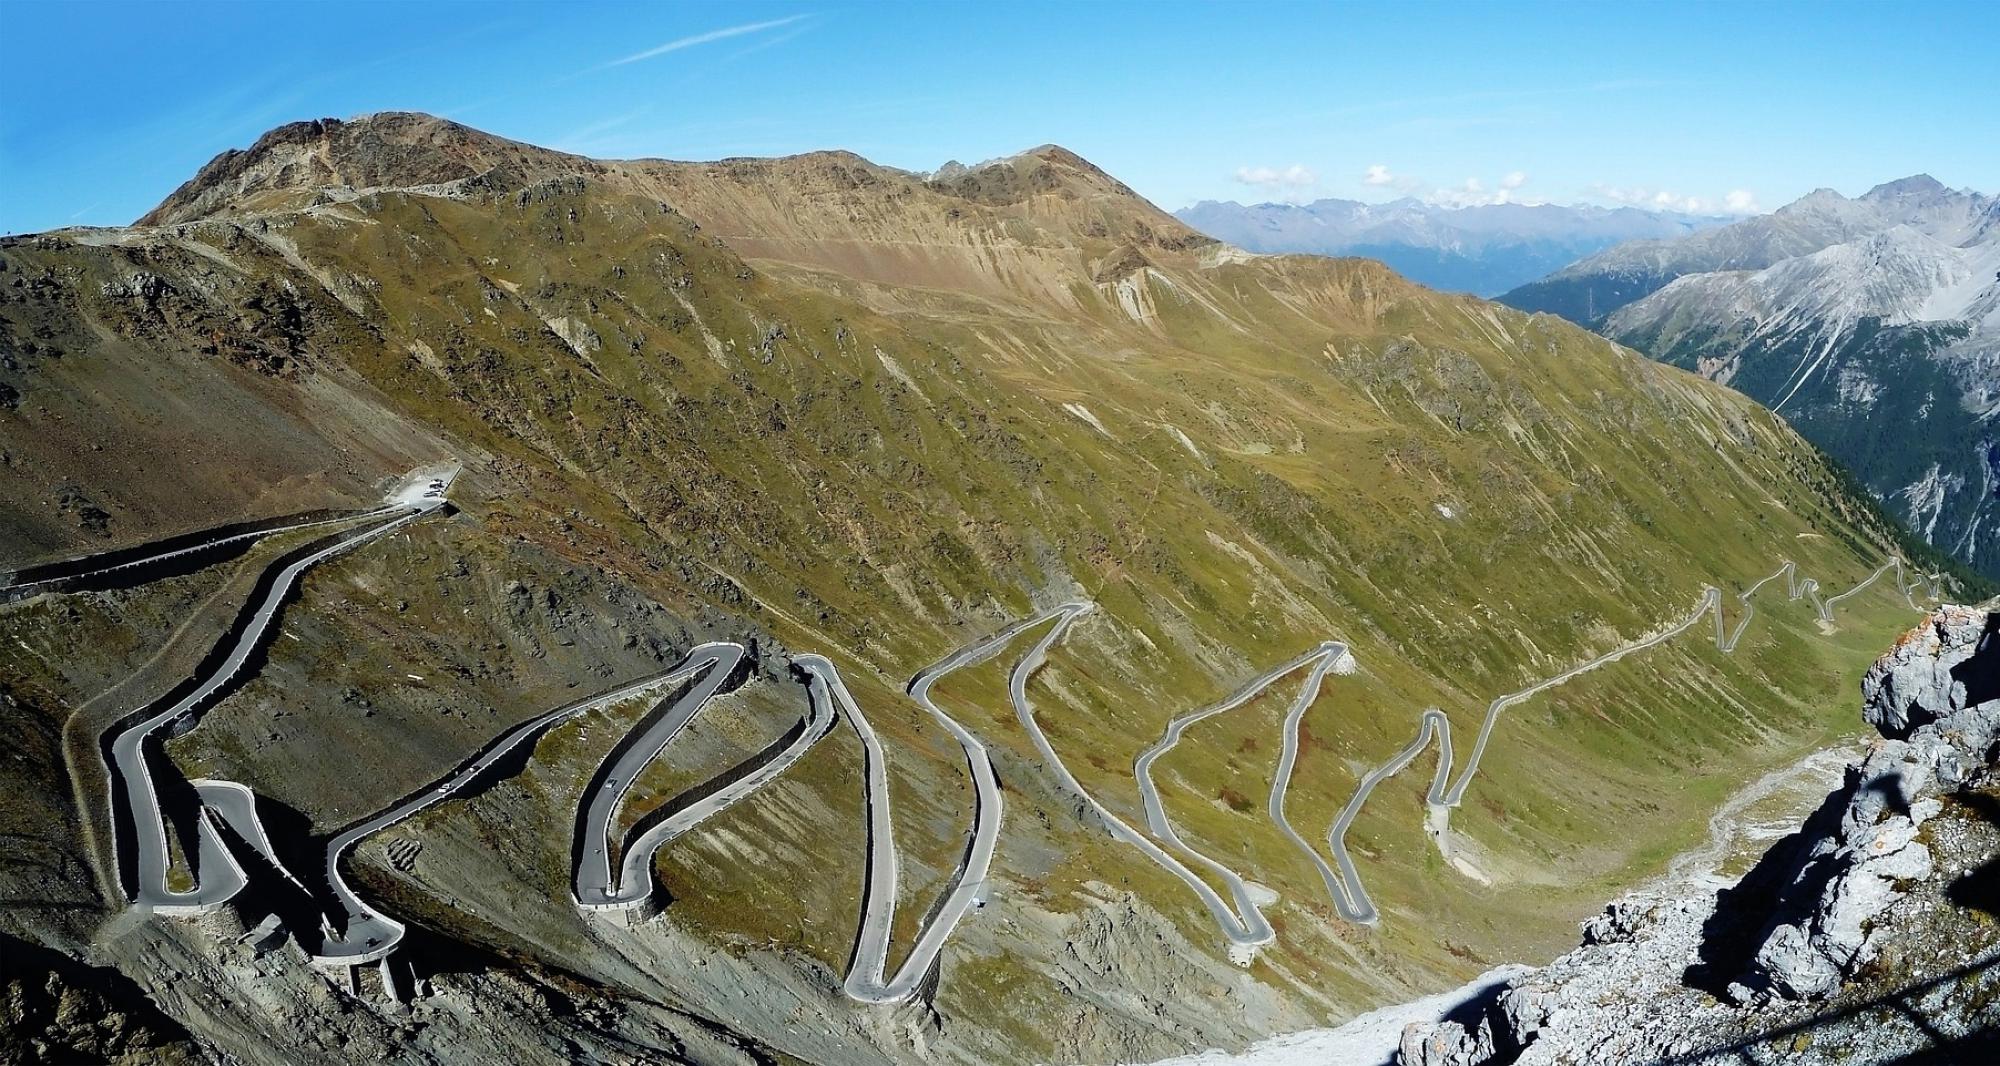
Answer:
[(1929, 675), (1867, 934), (1917, 696)]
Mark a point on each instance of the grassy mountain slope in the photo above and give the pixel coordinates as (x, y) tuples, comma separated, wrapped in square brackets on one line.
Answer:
[(848, 410)]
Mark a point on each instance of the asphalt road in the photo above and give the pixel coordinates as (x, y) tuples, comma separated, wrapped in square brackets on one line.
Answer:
[(83, 571), (133, 790), (1334, 655), (364, 934), (1248, 926), (866, 980), (742, 780), (236, 806), (1244, 935), (594, 884), (1711, 600), (1350, 897)]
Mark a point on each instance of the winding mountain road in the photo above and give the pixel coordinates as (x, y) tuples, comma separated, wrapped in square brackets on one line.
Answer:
[(677, 816), (867, 980), (58, 576), (594, 885), (1351, 898), (355, 933), (1343, 881), (1333, 655), (1247, 927), (134, 794), (1243, 934), (236, 806)]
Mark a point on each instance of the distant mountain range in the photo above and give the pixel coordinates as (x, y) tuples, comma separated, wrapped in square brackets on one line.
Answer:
[(1591, 288), (1484, 250), (1872, 323)]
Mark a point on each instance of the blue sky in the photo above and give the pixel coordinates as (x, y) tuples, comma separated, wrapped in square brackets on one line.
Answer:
[(106, 107)]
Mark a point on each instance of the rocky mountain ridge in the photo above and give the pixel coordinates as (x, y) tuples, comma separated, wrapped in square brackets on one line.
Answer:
[(1589, 289)]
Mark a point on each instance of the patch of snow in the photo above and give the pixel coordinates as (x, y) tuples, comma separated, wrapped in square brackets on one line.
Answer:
[(1083, 412), (1446, 511), (1175, 432), (896, 371)]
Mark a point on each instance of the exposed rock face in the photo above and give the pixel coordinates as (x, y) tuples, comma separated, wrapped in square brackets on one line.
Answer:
[(1921, 697), (1925, 678), (1845, 315), (1877, 912)]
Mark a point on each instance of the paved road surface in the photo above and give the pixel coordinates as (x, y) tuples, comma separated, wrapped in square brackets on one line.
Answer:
[(236, 806), (414, 490), (866, 980), (80, 569), (1249, 927), (739, 781), (1441, 798), (1117, 827), (1351, 897), (133, 790), (594, 884), (366, 935), (1335, 656)]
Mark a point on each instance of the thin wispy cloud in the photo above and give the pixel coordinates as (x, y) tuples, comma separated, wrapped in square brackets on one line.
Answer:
[(589, 139), (711, 36)]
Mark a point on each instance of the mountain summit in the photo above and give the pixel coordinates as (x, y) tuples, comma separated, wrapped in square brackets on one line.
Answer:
[(1040, 207), (1591, 288), (393, 149)]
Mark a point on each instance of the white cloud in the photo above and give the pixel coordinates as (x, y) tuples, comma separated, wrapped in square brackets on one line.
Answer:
[(1643, 196), (1735, 202), (1293, 178), (1472, 192), (704, 38)]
